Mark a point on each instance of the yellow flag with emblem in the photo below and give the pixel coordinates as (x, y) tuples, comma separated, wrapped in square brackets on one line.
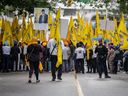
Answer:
[(58, 40)]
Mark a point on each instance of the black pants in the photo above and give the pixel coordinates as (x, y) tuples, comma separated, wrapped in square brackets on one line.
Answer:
[(115, 66), (126, 65), (79, 65), (89, 65), (53, 67), (94, 65), (102, 68), (5, 62), (14, 61), (34, 66)]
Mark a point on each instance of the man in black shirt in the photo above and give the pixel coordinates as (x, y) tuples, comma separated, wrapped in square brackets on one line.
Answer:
[(102, 51), (14, 55), (33, 51)]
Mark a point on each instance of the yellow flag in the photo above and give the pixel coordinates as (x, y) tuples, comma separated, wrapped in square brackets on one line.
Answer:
[(40, 67), (49, 18), (125, 44), (58, 40), (29, 32), (3, 25), (122, 27), (15, 24), (52, 31), (7, 35), (97, 30), (87, 54), (70, 28), (59, 48), (2, 28), (0, 23)]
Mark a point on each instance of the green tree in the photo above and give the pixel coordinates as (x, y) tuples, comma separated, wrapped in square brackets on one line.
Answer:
[(24, 4), (123, 6)]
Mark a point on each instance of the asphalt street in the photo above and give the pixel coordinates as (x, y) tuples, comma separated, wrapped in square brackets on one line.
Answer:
[(15, 84)]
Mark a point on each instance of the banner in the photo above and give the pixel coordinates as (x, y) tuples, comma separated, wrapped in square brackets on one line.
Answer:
[(41, 18)]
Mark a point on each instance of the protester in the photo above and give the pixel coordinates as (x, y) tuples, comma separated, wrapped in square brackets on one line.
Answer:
[(125, 60), (101, 51), (79, 56), (43, 55), (25, 46), (14, 56), (52, 50), (33, 51), (66, 55), (1, 56), (110, 58), (71, 58), (6, 56), (116, 59), (21, 57), (94, 59), (89, 60)]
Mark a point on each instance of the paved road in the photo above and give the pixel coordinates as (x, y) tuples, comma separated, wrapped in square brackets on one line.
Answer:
[(93, 86), (15, 84)]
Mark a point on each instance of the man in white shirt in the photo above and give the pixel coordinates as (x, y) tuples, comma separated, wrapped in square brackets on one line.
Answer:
[(6, 56), (52, 50), (66, 54), (79, 55)]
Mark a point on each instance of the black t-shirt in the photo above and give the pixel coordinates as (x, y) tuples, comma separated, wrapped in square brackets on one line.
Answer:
[(101, 50), (33, 51)]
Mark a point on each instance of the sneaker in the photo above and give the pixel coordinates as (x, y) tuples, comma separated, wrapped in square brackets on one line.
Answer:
[(60, 78), (107, 77), (29, 81), (37, 81), (53, 79)]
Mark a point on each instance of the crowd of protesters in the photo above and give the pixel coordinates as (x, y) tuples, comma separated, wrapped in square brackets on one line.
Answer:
[(101, 58)]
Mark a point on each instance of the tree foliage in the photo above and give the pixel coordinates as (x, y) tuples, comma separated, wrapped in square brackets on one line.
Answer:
[(123, 6), (21, 5)]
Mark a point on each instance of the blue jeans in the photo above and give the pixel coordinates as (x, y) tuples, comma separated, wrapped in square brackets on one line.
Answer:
[(65, 66)]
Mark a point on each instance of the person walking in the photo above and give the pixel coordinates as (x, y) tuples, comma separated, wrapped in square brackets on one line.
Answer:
[(33, 51), (52, 51), (102, 51), (79, 56)]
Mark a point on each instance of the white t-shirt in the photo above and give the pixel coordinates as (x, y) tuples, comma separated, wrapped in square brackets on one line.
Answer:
[(6, 50), (66, 51), (25, 50), (52, 46), (80, 53), (94, 54)]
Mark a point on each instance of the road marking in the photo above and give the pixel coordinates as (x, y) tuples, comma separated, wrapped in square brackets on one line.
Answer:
[(79, 89)]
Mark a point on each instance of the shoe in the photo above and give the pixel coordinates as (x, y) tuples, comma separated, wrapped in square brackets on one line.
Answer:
[(107, 77), (29, 81), (100, 76), (53, 79), (59, 78), (37, 81)]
